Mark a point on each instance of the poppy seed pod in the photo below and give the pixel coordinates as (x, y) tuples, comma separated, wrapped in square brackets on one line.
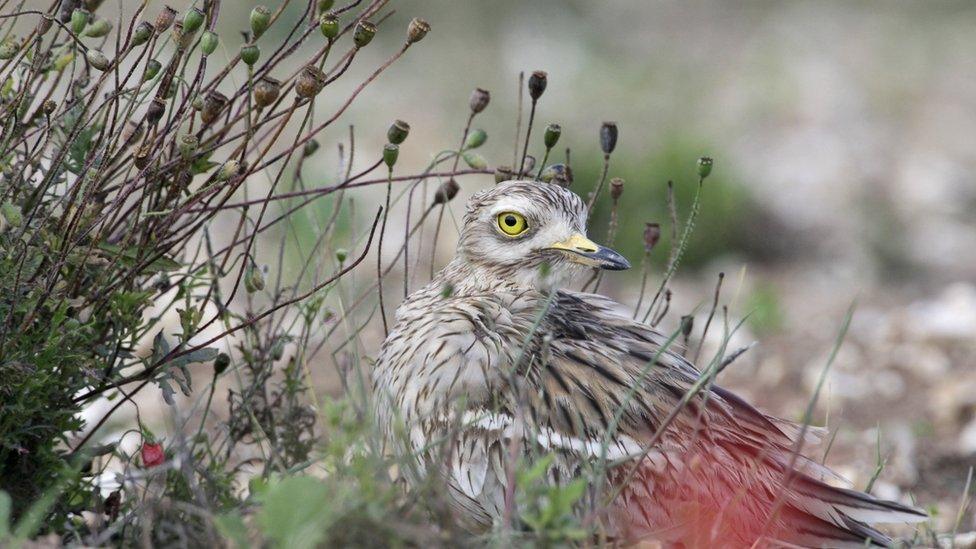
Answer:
[(608, 137), (165, 19), (253, 280), (704, 167), (363, 34), (43, 26), (341, 254), (474, 160), (260, 20), (99, 28), (329, 25), (97, 59), (155, 110), (390, 154), (49, 106), (266, 91), (79, 20), (213, 104), (687, 325), (310, 82), (558, 174), (503, 173), (479, 100), (310, 147), (553, 131), (197, 103), (398, 132), (652, 234), (417, 30), (142, 157), (475, 139), (325, 5), (446, 192), (537, 84), (250, 54), (208, 42), (188, 146), (193, 20), (616, 188), (152, 69), (143, 33), (221, 363)]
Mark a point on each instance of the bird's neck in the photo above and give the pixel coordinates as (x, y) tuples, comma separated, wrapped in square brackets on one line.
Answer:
[(465, 277)]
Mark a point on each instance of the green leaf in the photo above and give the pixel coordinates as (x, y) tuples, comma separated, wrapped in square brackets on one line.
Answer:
[(231, 526), (295, 512)]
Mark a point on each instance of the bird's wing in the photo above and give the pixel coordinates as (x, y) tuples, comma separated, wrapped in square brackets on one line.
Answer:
[(607, 378)]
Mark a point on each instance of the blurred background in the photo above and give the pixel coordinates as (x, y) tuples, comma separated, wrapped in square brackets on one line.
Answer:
[(844, 142)]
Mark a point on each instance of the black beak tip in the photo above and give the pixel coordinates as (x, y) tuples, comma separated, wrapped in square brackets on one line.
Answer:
[(613, 261)]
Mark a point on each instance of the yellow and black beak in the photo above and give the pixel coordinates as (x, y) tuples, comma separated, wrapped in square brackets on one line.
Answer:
[(583, 250)]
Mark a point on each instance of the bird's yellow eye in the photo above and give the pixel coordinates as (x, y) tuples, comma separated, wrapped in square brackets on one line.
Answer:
[(512, 223)]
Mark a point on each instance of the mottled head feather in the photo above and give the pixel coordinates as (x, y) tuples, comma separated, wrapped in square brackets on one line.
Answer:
[(553, 214)]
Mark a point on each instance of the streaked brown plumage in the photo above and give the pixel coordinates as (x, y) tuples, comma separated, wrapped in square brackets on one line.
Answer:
[(493, 355)]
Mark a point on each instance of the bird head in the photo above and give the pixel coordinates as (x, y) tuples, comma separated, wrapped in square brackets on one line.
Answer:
[(531, 234)]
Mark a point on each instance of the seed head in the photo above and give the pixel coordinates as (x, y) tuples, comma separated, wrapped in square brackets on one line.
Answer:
[(43, 26), (503, 173), (341, 254), (390, 153), (99, 28), (687, 325), (266, 91), (616, 188), (310, 147), (221, 363), (97, 59), (398, 132), (553, 131), (363, 34), (230, 169), (152, 69), (188, 146), (165, 19), (704, 167), (250, 54), (608, 137), (208, 42), (446, 192), (79, 20), (193, 20), (475, 139), (143, 157), (474, 160), (310, 82), (652, 234), (213, 105), (558, 174), (49, 106), (537, 84), (479, 100), (143, 33), (329, 25), (417, 30), (260, 19)]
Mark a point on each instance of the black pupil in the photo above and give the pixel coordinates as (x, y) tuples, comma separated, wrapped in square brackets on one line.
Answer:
[(510, 220)]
